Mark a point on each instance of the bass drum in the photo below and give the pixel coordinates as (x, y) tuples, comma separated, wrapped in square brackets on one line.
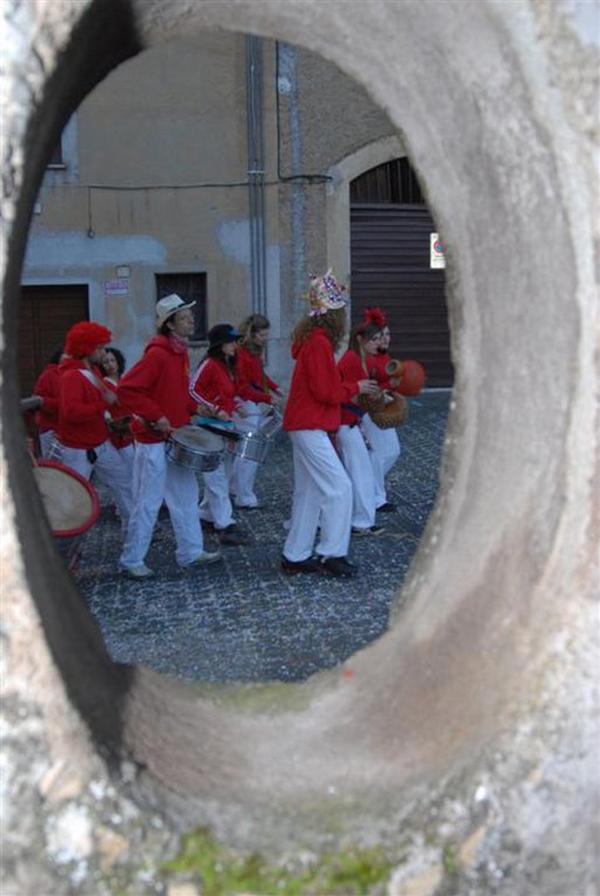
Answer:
[(70, 501), (195, 448)]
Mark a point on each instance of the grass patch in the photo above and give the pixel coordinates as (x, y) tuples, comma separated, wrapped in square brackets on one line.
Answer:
[(344, 873)]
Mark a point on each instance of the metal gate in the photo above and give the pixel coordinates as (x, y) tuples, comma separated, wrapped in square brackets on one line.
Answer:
[(391, 268)]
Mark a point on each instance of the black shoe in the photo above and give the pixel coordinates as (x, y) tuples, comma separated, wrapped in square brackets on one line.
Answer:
[(388, 507), (338, 567), (232, 534), (206, 525), (370, 530), (291, 567)]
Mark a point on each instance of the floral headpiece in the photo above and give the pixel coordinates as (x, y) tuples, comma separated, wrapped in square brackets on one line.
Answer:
[(326, 294), (375, 316)]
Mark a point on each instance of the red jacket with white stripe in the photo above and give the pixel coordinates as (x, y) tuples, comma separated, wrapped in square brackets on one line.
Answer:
[(316, 390), (81, 406), (215, 386), (158, 386), (253, 382)]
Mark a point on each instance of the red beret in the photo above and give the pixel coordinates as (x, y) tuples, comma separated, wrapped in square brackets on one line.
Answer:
[(85, 337)]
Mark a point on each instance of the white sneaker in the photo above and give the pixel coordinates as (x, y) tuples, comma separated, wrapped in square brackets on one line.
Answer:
[(204, 559), (138, 572)]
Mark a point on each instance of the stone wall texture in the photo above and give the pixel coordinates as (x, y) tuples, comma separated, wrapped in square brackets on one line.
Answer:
[(468, 733)]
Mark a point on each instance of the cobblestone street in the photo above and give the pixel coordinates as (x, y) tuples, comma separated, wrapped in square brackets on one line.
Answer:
[(243, 619)]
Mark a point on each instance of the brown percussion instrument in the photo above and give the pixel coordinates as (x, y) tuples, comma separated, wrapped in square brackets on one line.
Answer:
[(386, 410)]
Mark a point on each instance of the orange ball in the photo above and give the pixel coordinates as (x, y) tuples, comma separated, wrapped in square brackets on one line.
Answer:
[(413, 378)]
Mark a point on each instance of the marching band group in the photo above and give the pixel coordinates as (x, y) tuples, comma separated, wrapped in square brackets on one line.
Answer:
[(98, 418)]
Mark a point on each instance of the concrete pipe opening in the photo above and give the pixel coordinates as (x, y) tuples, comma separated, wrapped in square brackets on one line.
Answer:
[(508, 554)]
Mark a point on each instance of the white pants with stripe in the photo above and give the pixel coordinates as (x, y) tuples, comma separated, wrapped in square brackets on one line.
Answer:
[(385, 451), (355, 458), (322, 496), (109, 468), (156, 479)]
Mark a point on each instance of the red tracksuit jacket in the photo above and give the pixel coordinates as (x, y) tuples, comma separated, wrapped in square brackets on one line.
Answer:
[(158, 386), (317, 390), (214, 385), (253, 382), (352, 370)]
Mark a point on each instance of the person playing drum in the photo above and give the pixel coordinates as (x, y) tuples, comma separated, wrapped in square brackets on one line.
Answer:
[(260, 394), (357, 362), (322, 488), (385, 445), (84, 402), (46, 388), (156, 390), (214, 385)]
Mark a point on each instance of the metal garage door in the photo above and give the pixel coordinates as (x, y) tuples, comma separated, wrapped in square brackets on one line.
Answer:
[(391, 267)]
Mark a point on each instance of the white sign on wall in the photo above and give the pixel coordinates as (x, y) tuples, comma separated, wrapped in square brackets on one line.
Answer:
[(437, 251), (118, 287)]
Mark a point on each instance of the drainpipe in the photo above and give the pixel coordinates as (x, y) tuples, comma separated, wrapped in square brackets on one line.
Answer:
[(256, 172)]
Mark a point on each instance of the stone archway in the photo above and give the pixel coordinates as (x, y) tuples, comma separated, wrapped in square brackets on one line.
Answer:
[(497, 624)]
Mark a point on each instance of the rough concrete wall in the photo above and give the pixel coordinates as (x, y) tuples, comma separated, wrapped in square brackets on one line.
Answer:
[(472, 723)]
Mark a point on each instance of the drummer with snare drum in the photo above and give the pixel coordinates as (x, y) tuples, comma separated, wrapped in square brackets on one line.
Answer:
[(214, 384), (260, 394), (156, 389)]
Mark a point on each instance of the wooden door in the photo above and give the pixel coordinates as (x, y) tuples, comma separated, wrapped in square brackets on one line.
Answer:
[(46, 313)]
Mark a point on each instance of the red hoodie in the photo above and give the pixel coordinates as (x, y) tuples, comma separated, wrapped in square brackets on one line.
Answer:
[(317, 390), (158, 386), (46, 386), (213, 385), (81, 406), (376, 364), (253, 382)]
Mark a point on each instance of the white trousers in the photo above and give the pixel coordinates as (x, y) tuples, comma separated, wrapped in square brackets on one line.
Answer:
[(216, 504), (355, 457), (385, 451), (156, 479), (322, 495), (243, 471), (109, 468)]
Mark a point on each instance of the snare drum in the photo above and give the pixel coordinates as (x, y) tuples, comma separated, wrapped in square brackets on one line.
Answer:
[(256, 444), (70, 501), (195, 449)]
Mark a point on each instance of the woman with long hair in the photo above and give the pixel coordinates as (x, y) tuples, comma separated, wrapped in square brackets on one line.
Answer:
[(385, 444), (214, 385), (355, 363), (322, 489), (260, 394)]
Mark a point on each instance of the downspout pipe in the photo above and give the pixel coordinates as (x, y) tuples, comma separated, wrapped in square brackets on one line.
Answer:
[(256, 171)]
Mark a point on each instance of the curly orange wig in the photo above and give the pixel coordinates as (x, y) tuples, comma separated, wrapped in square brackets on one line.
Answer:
[(84, 338)]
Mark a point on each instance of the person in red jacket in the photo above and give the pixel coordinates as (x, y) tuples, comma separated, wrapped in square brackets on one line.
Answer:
[(260, 395), (357, 362), (46, 387), (84, 403), (156, 389), (214, 385), (385, 444), (322, 489)]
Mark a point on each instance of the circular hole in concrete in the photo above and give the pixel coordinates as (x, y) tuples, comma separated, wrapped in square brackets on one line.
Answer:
[(107, 239)]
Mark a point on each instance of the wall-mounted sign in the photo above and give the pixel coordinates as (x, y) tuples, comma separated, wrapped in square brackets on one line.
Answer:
[(437, 251), (118, 287)]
